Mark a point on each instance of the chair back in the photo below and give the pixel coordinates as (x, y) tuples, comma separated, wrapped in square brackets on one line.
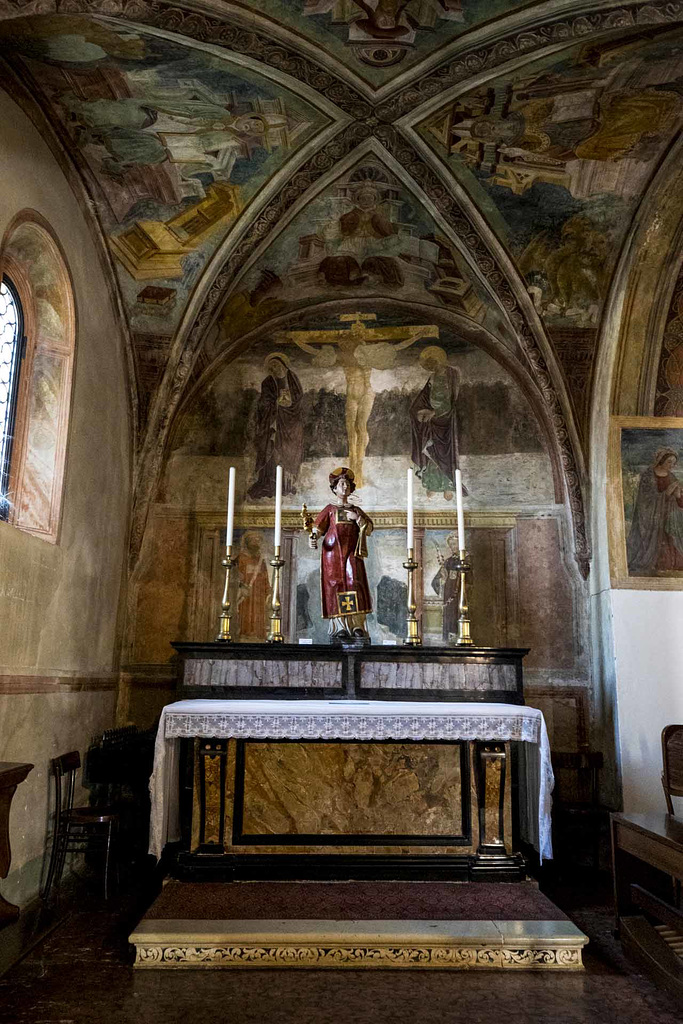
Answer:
[(64, 770), (577, 777), (672, 763)]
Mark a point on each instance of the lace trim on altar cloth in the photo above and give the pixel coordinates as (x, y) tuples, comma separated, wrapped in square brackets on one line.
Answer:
[(236, 725)]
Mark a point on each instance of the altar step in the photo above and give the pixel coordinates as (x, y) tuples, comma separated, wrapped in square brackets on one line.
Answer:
[(435, 936)]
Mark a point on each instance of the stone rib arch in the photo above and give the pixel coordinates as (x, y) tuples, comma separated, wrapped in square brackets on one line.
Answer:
[(631, 340)]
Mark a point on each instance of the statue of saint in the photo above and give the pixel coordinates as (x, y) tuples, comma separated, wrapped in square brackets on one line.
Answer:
[(344, 588)]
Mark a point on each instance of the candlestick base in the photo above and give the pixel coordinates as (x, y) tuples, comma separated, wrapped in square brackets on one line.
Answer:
[(275, 635), (224, 635), (413, 638), (463, 637)]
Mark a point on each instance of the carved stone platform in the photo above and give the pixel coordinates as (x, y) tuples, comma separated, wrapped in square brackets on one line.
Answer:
[(184, 927)]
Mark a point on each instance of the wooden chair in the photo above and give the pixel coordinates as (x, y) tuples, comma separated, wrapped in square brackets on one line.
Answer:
[(576, 805), (672, 777), (77, 829), (672, 763)]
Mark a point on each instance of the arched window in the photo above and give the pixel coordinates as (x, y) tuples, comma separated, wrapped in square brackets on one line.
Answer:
[(36, 302), (12, 344)]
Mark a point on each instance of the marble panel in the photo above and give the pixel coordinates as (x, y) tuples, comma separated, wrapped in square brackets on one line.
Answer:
[(352, 789), (218, 672), (435, 676)]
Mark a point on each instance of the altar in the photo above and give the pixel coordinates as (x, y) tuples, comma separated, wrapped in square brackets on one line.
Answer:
[(351, 788)]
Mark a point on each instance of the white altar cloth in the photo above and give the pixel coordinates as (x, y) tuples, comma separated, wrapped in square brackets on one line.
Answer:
[(351, 720)]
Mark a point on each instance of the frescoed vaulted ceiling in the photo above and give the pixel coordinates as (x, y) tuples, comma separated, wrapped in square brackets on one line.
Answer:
[(243, 162)]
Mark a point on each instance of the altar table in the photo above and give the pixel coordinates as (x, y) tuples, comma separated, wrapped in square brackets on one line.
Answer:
[(240, 750)]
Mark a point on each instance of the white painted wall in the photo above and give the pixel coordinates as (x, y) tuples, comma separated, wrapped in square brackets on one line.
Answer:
[(648, 640)]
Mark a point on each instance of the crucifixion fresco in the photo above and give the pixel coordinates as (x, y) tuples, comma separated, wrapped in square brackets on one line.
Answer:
[(357, 349)]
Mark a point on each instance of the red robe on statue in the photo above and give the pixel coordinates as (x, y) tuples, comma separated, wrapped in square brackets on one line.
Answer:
[(343, 581)]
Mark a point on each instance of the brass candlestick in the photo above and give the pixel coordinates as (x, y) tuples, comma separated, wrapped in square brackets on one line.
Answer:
[(224, 622), (463, 636), (413, 639), (275, 635)]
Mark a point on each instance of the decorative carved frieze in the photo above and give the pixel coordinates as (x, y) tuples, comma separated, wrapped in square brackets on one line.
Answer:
[(543, 957)]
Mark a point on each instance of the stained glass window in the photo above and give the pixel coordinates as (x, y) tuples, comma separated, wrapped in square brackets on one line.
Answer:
[(11, 343)]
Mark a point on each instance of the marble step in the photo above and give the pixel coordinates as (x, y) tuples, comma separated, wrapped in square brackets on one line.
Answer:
[(488, 945)]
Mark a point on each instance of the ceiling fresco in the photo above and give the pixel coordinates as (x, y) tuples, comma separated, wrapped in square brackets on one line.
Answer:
[(244, 161), (377, 39), (177, 140), (558, 156), (364, 235)]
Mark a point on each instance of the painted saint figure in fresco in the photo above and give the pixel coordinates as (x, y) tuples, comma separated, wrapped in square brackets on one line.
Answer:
[(655, 540), (446, 584), (344, 588), (434, 424), (279, 429), (190, 125), (253, 589)]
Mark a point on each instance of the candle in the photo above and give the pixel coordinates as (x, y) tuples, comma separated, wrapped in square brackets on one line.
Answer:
[(278, 506), (461, 514), (231, 508), (410, 510)]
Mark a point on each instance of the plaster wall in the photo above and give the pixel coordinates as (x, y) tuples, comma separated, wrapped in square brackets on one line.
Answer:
[(648, 640), (59, 602)]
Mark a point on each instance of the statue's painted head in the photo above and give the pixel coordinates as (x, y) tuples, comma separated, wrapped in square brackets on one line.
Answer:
[(342, 472)]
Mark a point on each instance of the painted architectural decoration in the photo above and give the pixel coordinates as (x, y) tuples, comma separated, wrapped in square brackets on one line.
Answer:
[(558, 156), (178, 140)]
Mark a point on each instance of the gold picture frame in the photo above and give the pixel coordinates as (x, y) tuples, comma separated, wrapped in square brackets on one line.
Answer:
[(633, 441)]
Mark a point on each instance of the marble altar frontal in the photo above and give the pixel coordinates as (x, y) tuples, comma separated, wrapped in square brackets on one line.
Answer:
[(352, 789)]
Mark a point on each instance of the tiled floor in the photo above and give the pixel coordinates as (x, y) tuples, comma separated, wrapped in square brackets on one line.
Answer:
[(82, 974)]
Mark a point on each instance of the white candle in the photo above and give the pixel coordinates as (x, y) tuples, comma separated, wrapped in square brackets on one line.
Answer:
[(231, 508), (278, 505), (410, 510), (461, 514)]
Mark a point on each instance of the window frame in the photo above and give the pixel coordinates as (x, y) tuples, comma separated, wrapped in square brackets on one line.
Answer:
[(15, 265), (12, 415)]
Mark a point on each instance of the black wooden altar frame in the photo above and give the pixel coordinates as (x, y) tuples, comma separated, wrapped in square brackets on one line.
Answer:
[(490, 819)]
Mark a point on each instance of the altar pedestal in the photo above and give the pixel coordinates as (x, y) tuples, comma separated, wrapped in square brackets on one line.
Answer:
[(329, 789)]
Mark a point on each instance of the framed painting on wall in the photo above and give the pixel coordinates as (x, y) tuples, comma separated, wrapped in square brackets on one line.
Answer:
[(645, 502)]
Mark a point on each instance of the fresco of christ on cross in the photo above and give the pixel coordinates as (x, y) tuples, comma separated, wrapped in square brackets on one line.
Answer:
[(357, 349)]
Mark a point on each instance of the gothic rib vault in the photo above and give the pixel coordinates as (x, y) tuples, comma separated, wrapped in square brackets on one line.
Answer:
[(523, 139)]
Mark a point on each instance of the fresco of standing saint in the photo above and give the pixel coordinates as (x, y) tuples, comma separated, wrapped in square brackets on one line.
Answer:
[(253, 589), (446, 584), (433, 420), (279, 429), (655, 540)]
